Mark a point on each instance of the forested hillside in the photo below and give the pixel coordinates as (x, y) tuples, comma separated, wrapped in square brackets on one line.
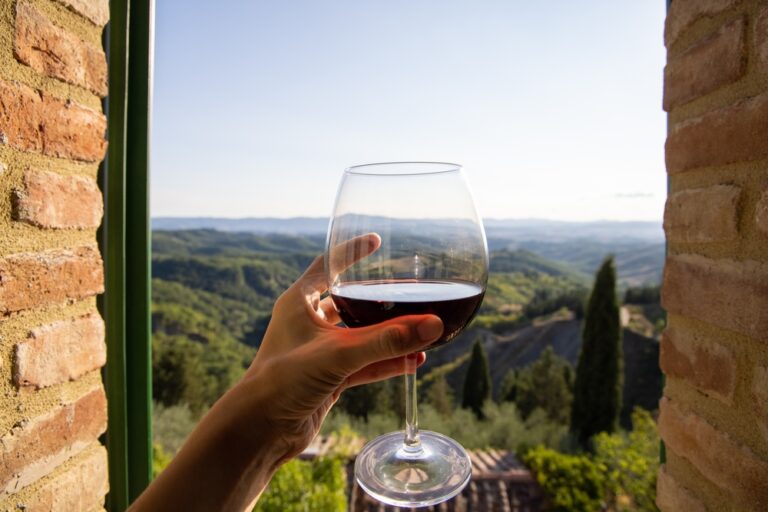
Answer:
[(213, 292), (212, 296)]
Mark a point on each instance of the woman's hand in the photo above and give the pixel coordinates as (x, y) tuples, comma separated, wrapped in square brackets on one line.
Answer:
[(307, 361), (304, 363)]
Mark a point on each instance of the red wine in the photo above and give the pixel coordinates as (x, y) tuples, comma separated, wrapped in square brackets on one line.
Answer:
[(364, 303)]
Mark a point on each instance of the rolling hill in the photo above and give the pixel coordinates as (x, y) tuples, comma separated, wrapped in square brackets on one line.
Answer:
[(638, 246), (213, 292)]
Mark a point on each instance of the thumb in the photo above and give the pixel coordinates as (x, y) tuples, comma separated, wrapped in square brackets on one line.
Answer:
[(393, 338)]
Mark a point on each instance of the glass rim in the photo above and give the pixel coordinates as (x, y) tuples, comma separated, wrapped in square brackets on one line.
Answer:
[(371, 169)]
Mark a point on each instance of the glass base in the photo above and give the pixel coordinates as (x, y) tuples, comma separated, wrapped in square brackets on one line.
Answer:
[(403, 476)]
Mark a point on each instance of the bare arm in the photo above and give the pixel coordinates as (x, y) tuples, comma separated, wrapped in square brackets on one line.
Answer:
[(274, 412)]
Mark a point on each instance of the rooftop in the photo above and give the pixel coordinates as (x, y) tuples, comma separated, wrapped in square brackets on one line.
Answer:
[(500, 483)]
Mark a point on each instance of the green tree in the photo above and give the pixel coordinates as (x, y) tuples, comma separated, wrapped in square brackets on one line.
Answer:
[(179, 375), (383, 397), (508, 391), (358, 400), (396, 393), (643, 295), (547, 383), (477, 383), (597, 390), (440, 396)]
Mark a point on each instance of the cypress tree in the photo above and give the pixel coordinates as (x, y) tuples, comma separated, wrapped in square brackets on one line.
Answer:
[(597, 390), (477, 383)]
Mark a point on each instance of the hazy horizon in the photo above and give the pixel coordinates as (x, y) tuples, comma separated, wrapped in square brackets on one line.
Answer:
[(499, 229)]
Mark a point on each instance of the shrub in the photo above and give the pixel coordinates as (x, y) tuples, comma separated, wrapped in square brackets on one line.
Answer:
[(620, 475), (300, 485), (571, 482), (502, 427), (631, 460), (171, 426)]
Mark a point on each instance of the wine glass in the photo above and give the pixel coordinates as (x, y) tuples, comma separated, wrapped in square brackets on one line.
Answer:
[(433, 259)]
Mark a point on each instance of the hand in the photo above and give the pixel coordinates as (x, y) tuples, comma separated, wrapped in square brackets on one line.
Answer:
[(306, 361)]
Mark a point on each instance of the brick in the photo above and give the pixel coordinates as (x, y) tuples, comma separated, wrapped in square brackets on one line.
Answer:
[(31, 120), (731, 466), (672, 497), (730, 294), (717, 60), (82, 487), (29, 280), (35, 448), (736, 133), (60, 352), (95, 10), (704, 363), (55, 52), (702, 215), (761, 40), (682, 13), (51, 200), (760, 396), (761, 213)]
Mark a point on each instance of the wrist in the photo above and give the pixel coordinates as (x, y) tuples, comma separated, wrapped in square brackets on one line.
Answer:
[(246, 433), (251, 448)]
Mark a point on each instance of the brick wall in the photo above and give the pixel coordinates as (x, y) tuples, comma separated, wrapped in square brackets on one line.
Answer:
[(714, 414), (52, 403)]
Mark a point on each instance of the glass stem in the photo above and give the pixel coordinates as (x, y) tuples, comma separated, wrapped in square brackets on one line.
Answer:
[(412, 442)]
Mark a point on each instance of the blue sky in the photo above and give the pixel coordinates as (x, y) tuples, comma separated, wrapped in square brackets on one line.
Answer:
[(552, 106)]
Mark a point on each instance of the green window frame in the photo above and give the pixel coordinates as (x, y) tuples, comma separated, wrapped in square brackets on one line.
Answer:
[(125, 245)]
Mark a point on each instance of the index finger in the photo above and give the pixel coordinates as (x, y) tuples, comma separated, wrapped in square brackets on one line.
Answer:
[(342, 256)]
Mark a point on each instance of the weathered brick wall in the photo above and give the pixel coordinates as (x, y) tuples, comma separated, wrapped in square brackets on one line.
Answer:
[(53, 75), (714, 414)]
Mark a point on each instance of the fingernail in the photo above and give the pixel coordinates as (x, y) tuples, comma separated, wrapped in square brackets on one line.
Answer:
[(430, 328)]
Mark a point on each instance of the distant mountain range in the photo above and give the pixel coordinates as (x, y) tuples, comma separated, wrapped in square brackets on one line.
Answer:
[(520, 229), (257, 225)]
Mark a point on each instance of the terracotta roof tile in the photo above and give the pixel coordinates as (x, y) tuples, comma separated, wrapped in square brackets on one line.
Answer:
[(500, 483)]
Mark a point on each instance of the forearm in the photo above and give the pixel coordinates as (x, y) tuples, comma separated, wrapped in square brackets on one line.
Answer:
[(224, 465)]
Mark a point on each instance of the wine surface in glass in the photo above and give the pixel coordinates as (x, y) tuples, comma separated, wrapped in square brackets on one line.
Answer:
[(362, 303)]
